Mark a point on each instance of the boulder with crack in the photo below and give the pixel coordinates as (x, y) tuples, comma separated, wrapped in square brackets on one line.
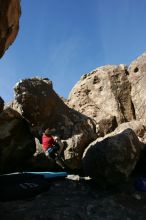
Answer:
[(137, 78), (105, 96)]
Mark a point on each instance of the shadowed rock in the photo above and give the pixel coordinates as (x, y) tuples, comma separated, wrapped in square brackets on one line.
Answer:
[(112, 160), (1, 104), (17, 144)]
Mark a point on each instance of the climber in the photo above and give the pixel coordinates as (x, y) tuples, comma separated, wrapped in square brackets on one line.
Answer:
[(52, 146)]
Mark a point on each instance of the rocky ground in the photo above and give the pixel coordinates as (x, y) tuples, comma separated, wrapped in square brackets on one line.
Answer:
[(78, 198)]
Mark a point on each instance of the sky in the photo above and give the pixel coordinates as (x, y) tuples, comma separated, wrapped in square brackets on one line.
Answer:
[(64, 39)]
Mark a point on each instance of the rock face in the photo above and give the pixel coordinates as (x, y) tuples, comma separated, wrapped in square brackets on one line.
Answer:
[(38, 103), (9, 23), (100, 102), (16, 142), (136, 126), (105, 96), (1, 104), (106, 125), (137, 78), (112, 160)]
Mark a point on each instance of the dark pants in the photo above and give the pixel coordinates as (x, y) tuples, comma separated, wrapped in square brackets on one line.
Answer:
[(53, 151)]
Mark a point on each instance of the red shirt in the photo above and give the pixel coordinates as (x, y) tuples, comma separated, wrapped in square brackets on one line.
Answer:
[(47, 142)]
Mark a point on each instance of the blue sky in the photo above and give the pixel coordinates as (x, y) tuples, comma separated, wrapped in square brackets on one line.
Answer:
[(64, 39)]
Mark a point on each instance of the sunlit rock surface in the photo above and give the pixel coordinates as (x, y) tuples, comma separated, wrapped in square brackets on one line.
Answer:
[(9, 23), (137, 78), (105, 96)]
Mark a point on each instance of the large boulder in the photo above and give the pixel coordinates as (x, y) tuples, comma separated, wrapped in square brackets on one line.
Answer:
[(1, 104), (104, 95), (17, 144), (9, 23), (137, 78), (112, 160), (38, 103)]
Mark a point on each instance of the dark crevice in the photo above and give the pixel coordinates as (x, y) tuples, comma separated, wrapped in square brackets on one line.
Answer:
[(121, 89), (136, 70), (133, 110), (126, 72)]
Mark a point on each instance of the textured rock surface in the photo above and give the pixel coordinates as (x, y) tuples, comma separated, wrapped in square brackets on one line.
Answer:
[(137, 78), (106, 126), (9, 23), (104, 94), (113, 159), (16, 142), (1, 104), (38, 103), (135, 125)]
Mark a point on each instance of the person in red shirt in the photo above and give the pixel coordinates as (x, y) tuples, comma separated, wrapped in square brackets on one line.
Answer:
[(52, 147), (49, 145)]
